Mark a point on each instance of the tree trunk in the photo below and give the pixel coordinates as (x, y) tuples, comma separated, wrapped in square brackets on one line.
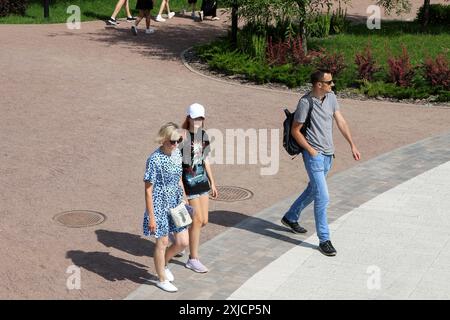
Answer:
[(302, 7), (234, 23), (426, 13)]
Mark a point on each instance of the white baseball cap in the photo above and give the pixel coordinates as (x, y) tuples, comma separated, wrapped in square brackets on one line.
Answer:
[(196, 110)]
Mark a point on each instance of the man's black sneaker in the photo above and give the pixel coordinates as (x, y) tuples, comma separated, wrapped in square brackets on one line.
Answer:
[(327, 248), (294, 226)]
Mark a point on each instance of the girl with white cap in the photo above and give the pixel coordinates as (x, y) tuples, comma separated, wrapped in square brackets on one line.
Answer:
[(197, 179)]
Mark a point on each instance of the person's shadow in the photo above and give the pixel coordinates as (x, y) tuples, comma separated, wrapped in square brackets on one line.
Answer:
[(130, 243), (111, 268), (255, 225)]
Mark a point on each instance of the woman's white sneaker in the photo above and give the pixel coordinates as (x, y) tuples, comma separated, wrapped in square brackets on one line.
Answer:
[(171, 15), (166, 286), (169, 274), (159, 18)]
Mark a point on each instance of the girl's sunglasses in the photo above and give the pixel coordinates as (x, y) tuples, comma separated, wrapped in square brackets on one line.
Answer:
[(173, 142)]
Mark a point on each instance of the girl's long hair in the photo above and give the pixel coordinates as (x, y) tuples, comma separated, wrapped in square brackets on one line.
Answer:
[(185, 124)]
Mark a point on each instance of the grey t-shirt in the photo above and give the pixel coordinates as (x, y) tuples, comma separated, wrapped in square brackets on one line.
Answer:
[(320, 132)]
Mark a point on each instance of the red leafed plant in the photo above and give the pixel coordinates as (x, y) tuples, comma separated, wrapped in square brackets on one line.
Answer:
[(298, 55), (400, 70), (366, 64), (288, 50), (437, 72), (277, 52), (330, 61)]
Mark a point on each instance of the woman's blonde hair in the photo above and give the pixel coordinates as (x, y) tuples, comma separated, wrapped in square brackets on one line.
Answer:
[(168, 131)]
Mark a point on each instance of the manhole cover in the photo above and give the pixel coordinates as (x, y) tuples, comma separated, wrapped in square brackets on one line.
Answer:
[(79, 218), (229, 193)]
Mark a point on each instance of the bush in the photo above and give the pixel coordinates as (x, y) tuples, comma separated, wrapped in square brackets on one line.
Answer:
[(319, 26), (439, 14), (289, 50), (339, 21), (437, 72), (400, 70), (330, 61), (366, 64), (8, 7)]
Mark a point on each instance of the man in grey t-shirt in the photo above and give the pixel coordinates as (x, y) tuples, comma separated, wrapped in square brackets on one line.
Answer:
[(317, 154)]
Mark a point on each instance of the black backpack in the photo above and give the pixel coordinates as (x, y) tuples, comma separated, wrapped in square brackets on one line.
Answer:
[(289, 143)]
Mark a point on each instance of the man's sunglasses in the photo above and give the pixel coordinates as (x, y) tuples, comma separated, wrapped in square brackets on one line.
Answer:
[(327, 82), (172, 142)]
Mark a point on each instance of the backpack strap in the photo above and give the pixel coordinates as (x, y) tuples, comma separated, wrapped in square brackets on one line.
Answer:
[(311, 107)]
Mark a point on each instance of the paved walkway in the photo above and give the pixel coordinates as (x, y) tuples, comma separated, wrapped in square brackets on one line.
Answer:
[(79, 109), (389, 222)]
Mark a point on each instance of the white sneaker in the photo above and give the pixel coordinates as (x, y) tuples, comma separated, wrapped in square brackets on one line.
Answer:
[(159, 18), (149, 31), (171, 15), (169, 274), (134, 30), (166, 286), (200, 13)]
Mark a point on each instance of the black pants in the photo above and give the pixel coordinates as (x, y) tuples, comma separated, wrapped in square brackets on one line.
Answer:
[(209, 7)]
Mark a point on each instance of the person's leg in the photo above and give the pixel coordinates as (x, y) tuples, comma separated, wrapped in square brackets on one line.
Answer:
[(140, 17), (317, 167), (127, 9), (194, 229), (147, 19), (119, 5), (307, 196), (204, 203), (170, 14), (161, 8), (159, 257), (181, 242)]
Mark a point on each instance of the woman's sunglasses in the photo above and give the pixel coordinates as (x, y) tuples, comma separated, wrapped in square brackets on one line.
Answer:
[(173, 142)]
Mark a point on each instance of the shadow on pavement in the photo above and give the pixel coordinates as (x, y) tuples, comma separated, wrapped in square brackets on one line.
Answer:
[(126, 242), (111, 268), (256, 225), (166, 43)]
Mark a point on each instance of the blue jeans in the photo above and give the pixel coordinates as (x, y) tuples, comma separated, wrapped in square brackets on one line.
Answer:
[(317, 190)]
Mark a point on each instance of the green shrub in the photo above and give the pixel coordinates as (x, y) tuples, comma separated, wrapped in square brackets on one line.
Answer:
[(439, 14), (319, 25), (8, 7), (339, 23)]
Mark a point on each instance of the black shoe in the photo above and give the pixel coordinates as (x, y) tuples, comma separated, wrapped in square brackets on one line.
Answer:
[(327, 248), (131, 19), (294, 226)]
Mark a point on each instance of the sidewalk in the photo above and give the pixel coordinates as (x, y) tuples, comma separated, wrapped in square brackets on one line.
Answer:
[(79, 111), (389, 217)]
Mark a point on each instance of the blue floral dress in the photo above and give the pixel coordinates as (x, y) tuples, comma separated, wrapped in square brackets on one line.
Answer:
[(164, 173)]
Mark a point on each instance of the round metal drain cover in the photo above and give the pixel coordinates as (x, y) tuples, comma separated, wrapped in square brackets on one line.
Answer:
[(230, 193), (79, 218)]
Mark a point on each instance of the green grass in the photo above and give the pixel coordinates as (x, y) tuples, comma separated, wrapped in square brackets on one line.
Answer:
[(90, 10), (384, 43), (387, 41)]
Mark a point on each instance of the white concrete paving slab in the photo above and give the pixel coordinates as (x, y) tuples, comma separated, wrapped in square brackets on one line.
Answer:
[(395, 246)]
